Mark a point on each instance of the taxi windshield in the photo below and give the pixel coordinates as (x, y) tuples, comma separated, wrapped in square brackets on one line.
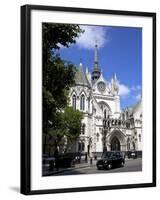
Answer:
[(107, 155)]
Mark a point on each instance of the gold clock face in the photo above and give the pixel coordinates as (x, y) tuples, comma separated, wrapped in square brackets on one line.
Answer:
[(101, 86)]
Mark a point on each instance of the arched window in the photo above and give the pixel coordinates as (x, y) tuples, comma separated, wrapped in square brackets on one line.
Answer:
[(115, 123), (74, 101), (119, 123), (82, 102), (108, 123), (112, 122)]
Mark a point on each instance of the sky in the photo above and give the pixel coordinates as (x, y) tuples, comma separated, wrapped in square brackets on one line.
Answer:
[(119, 51)]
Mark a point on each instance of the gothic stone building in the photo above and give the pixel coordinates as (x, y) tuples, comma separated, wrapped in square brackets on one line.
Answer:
[(104, 126)]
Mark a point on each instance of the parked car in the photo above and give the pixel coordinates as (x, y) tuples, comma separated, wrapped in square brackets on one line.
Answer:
[(132, 154), (49, 162), (65, 160), (47, 159), (111, 159)]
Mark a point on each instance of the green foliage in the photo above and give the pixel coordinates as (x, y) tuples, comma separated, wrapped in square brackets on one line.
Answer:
[(57, 79), (67, 124), (71, 122), (55, 35), (59, 121), (58, 75)]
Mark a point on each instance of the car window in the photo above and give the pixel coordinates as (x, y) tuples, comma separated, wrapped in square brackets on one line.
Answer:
[(107, 155)]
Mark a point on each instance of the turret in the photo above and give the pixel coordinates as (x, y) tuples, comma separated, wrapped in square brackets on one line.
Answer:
[(80, 77), (114, 85)]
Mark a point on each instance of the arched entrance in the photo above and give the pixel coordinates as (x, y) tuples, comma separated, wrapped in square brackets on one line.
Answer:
[(116, 141), (115, 144)]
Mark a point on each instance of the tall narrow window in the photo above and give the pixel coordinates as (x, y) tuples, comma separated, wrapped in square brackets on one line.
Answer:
[(127, 124), (83, 129), (74, 101), (83, 146), (139, 138), (123, 116), (127, 115), (79, 146), (82, 102), (88, 104), (134, 146), (97, 137), (105, 114), (128, 144)]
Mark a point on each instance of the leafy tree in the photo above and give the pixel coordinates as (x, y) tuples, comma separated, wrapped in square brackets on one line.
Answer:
[(56, 83), (68, 126), (55, 35), (58, 75)]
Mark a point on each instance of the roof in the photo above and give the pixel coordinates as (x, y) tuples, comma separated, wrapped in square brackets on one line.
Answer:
[(133, 109), (81, 78), (136, 107)]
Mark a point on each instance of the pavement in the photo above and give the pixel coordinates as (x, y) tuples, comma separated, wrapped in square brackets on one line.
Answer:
[(81, 165)]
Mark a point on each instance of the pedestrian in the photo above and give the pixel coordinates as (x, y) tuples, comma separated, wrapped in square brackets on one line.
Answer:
[(86, 159), (56, 155), (91, 158)]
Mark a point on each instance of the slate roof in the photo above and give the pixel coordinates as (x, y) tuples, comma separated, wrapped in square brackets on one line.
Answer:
[(81, 78)]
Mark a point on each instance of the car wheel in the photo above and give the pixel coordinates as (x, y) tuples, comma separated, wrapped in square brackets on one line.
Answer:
[(122, 164), (72, 164), (99, 168), (109, 166)]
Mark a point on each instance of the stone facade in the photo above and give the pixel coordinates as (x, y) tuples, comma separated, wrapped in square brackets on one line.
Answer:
[(104, 126)]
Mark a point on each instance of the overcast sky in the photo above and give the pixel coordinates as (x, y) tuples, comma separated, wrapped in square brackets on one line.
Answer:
[(120, 52)]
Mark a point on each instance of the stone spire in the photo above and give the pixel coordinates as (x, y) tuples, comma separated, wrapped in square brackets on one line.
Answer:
[(96, 57), (114, 85), (96, 69), (115, 77)]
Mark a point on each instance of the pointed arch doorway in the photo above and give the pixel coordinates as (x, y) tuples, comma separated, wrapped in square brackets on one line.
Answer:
[(115, 144)]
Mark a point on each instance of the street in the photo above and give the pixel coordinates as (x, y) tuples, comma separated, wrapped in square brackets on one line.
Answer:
[(131, 165)]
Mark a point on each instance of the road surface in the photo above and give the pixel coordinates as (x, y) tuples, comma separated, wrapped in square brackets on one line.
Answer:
[(131, 165)]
